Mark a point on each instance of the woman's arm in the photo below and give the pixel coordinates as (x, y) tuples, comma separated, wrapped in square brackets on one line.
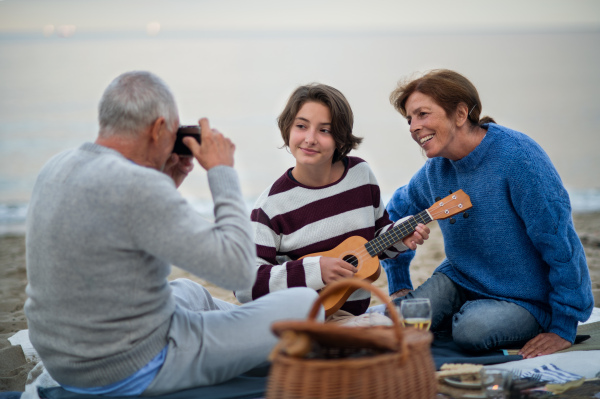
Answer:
[(404, 203), (542, 202)]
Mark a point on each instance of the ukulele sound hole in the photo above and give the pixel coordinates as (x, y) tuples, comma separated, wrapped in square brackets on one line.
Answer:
[(351, 259)]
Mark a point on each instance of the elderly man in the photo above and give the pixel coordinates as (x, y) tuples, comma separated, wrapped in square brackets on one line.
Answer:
[(106, 222)]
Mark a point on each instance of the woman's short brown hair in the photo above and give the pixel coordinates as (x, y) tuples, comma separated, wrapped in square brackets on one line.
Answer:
[(447, 88), (342, 118)]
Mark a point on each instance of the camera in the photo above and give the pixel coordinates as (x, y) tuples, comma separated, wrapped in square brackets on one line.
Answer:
[(184, 131)]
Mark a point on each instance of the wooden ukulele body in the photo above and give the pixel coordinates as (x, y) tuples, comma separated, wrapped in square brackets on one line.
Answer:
[(353, 251)]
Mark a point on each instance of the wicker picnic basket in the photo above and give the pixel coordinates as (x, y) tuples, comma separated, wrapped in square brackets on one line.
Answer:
[(353, 362)]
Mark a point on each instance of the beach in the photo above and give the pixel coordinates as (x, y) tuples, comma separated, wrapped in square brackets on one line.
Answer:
[(13, 278)]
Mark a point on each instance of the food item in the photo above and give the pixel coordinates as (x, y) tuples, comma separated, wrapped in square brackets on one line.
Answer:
[(468, 372), (470, 378), (292, 344)]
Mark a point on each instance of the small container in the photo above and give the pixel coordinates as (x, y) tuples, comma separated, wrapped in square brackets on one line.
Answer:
[(496, 383)]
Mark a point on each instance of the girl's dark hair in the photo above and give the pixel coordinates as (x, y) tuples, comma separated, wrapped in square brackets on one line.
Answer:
[(342, 118), (447, 88)]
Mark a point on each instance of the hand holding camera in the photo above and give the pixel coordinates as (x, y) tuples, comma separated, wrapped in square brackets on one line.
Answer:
[(207, 145), (179, 147)]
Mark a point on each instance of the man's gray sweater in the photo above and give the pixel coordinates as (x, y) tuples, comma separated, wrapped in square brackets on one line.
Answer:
[(102, 233)]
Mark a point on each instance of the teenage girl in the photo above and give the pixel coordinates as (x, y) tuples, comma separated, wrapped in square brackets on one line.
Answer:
[(324, 199)]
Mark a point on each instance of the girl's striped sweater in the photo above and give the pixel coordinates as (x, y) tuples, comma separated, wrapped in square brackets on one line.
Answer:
[(292, 220)]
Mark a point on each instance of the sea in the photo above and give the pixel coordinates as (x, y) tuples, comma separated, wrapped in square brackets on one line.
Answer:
[(544, 83)]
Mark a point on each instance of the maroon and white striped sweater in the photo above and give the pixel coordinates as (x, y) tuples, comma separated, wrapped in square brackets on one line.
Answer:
[(291, 220)]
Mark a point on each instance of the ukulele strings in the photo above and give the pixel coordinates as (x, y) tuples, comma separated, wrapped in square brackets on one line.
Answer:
[(390, 237), (358, 257), (363, 254)]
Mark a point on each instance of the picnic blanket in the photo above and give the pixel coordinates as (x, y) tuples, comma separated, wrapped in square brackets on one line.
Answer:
[(250, 385), (581, 359), (593, 343), (246, 386)]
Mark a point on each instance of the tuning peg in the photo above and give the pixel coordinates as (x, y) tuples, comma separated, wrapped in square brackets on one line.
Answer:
[(466, 215), (437, 199), (452, 221)]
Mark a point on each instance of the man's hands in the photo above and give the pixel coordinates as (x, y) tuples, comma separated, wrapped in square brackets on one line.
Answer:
[(418, 237), (333, 269), (178, 168), (543, 344), (215, 149)]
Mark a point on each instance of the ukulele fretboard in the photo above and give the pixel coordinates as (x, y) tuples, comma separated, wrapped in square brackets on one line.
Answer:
[(392, 236)]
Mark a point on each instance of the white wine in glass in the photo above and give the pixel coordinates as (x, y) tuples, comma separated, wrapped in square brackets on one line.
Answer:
[(416, 322), (416, 313)]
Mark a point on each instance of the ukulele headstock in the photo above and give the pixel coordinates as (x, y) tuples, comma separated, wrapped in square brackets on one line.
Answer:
[(451, 205)]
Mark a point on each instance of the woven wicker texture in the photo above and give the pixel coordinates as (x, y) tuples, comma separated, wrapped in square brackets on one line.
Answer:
[(407, 372)]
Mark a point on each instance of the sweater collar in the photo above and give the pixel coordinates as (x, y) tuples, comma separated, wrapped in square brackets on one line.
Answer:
[(477, 156), (99, 149)]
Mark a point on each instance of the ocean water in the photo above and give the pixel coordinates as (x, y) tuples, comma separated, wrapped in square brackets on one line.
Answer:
[(542, 83)]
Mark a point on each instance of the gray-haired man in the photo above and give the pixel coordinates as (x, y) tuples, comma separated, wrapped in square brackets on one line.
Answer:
[(105, 223)]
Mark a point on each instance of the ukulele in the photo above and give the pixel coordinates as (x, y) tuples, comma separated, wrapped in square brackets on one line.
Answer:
[(364, 255)]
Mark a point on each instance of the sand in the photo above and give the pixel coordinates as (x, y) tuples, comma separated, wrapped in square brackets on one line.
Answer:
[(13, 279)]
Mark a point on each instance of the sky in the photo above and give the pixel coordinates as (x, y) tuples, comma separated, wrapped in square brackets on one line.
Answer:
[(30, 16), (44, 77)]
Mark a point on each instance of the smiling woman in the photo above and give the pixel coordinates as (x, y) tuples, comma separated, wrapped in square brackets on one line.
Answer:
[(529, 270), (443, 113)]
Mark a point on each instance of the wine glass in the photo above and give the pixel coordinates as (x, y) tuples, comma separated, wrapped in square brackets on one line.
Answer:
[(416, 312)]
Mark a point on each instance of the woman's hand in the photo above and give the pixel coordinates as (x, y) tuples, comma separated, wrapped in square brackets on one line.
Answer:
[(543, 344), (333, 269), (418, 237)]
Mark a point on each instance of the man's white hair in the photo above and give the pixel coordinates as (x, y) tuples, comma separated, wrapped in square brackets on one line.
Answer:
[(133, 101)]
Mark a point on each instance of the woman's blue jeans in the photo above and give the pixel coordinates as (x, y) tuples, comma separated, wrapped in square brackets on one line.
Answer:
[(477, 325)]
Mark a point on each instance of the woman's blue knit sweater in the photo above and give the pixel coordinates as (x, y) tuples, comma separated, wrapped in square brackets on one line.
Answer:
[(518, 243)]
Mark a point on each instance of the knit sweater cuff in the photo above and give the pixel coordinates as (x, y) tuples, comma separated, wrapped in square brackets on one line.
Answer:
[(397, 271), (223, 179), (564, 326), (312, 272)]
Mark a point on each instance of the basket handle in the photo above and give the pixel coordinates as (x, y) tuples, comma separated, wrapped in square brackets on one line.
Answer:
[(358, 283)]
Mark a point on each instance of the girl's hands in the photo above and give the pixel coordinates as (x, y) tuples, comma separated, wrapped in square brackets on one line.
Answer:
[(333, 269)]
